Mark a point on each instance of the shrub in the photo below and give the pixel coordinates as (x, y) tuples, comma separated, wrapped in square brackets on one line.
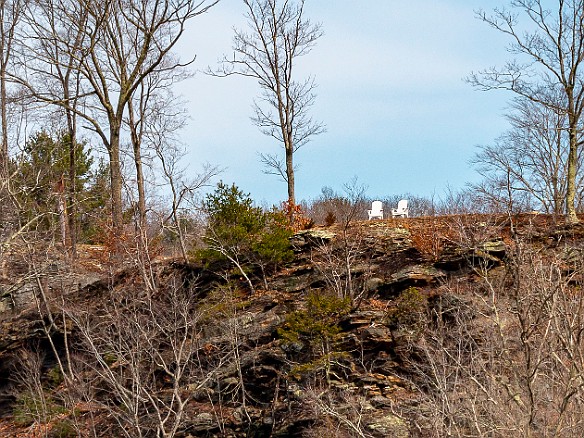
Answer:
[(55, 376), (297, 218), (63, 429), (243, 234), (317, 327), (31, 409), (330, 219), (318, 321), (272, 246), (410, 310)]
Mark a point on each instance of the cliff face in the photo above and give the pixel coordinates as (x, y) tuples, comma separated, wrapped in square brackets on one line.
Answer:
[(364, 333)]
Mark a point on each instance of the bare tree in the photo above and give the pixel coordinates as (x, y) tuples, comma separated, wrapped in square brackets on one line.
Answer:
[(552, 46), (181, 189), (532, 156), (503, 356), (278, 34), (10, 18), (155, 116), (143, 349), (122, 44), (50, 52), (337, 261)]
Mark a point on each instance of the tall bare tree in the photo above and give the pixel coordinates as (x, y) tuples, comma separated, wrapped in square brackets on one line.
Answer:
[(123, 43), (278, 34), (10, 17), (51, 52), (155, 116), (137, 39), (550, 49), (531, 158)]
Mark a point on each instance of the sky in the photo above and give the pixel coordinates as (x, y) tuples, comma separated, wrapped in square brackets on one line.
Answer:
[(390, 76)]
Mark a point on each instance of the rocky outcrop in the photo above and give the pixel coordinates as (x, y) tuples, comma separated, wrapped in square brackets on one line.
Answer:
[(251, 381)]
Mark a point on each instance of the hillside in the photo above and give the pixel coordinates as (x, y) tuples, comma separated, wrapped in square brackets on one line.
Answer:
[(427, 327)]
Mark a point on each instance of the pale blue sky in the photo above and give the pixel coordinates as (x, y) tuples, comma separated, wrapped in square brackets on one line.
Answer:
[(391, 92)]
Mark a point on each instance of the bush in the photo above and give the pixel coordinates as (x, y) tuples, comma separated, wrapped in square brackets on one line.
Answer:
[(330, 219), (296, 216), (32, 409), (272, 246), (55, 376), (410, 310), (243, 234), (317, 327), (318, 321), (63, 429)]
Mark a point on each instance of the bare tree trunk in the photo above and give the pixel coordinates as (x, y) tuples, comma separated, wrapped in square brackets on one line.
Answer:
[(62, 211), (122, 44), (552, 43), (72, 197), (177, 221), (572, 173), (136, 145), (141, 191), (72, 189), (4, 120), (290, 176), (116, 181), (10, 14)]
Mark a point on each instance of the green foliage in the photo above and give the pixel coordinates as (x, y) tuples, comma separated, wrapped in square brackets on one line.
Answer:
[(409, 310), (318, 327), (110, 358), (46, 160), (231, 213), (63, 429), (318, 322), (55, 376), (93, 204), (238, 230), (45, 166), (44, 175), (233, 222), (24, 413), (273, 245), (31, 409)]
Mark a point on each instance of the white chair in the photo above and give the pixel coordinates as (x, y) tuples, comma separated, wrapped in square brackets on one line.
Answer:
[(376, 211), (401, 210)]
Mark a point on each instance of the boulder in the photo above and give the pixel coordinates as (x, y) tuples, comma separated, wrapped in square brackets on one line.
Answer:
[(414, 275), (388, 425), (306, 239)]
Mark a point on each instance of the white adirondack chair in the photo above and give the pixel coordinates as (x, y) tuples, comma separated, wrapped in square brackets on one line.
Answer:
[(401, 210), (376, 211)]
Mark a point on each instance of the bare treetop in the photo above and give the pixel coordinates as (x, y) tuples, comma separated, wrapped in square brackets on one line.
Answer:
[(277, 34), (550, 44)]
